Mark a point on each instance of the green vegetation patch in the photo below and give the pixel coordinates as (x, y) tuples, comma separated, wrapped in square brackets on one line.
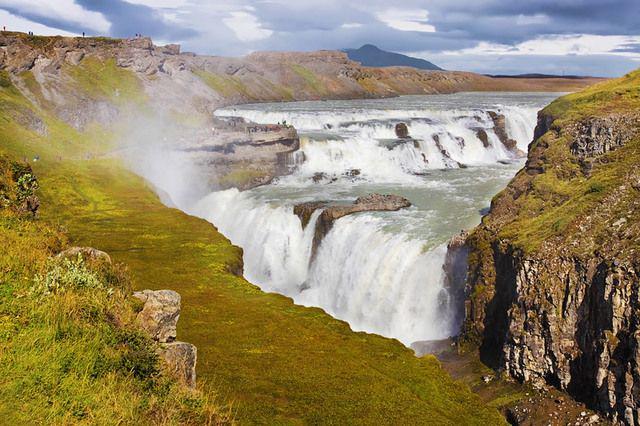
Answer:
[(310, 78), (70, 352), (226, 85), (104, 79), (556, 200)]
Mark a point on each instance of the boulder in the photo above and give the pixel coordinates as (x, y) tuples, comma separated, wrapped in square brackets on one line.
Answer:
[(74, 57), (160, 313), (87, 253), (402, 131), (181, 358)]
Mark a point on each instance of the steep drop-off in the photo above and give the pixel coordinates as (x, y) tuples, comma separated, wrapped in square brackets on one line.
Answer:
[(273, 361), (554, 267)]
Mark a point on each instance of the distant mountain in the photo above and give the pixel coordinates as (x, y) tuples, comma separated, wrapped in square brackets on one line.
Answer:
[(371, 56)]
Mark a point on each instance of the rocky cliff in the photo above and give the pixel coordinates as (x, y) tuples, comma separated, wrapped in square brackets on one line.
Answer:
[(47, 69), (554, 268)]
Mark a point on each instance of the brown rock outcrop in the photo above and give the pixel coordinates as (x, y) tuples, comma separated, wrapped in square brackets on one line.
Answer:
[(500, 129), (160, 313), (558, 305), (333, 211)]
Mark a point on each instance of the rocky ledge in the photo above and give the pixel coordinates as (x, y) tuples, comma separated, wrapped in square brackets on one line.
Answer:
[(332, 211)]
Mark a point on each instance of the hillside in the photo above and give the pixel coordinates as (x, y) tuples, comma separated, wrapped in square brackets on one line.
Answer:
[(553, 274), (64, 105), (372, 56), (187, 85)]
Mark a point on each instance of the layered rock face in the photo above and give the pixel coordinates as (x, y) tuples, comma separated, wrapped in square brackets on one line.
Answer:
[(554, 268)]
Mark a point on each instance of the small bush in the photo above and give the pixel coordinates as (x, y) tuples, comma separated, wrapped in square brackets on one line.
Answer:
[(68, 274), (595, 188)]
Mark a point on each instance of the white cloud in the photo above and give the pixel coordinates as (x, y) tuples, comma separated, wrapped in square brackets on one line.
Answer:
[(169, 4), (17, 23), (537, 19), (561, 45), (246, 26), (64, 10), (406, 20), (351, 25)]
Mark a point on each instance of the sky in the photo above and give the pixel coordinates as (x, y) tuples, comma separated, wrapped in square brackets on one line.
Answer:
[(582, 37)]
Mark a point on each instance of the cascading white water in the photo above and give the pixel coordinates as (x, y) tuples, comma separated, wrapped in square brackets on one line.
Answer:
[(381, 272), (365, 140), (376, 280)]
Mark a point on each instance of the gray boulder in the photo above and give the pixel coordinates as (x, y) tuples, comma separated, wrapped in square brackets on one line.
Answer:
[(160, 313), (181, 358), (87, 253)]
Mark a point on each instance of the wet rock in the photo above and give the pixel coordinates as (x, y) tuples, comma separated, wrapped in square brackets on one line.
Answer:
[(500, 129), (484, 138), (181, 358), (87, 253), (160, 313), (402, 131), (333, 211)]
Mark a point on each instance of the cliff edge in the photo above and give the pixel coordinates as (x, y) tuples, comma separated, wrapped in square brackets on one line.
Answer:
[(553, 284)]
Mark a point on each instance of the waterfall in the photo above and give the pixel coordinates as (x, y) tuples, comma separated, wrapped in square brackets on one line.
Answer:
[(378, 281), (381, 272), (338, 142)]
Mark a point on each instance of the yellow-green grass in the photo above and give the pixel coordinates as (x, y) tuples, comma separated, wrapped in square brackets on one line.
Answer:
[(310, 78), (276, 362), (104, 80), (226, 85), (562, 193), (70, 352)]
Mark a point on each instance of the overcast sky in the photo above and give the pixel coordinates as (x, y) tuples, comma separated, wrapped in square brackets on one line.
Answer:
[(586, 37)]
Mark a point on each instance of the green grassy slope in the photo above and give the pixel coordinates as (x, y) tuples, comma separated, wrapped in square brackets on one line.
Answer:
[(274, 361), (70, 352)]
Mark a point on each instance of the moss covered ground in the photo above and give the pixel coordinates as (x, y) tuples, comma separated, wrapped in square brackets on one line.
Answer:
[(273, 362), (557, 199)]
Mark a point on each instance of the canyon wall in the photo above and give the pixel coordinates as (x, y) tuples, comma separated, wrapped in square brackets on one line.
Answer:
[(554, 269)]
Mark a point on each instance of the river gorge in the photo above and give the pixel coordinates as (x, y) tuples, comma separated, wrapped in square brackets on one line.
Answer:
[(382, 272)]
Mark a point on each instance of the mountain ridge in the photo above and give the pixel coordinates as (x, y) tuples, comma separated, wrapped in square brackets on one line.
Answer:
[(370, 55)]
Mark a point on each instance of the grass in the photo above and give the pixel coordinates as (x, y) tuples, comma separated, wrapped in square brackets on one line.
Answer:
[(227, 86), (69, 350), (273, 361), (104, 80), (310, 78), (562, 196)]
